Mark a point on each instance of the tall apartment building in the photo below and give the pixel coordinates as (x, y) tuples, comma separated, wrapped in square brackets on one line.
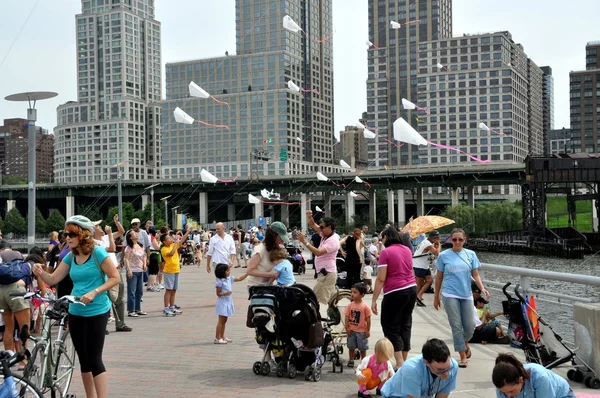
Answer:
[(352, 148), (264, 117), (14, 150), (393, 66), (560, 141), (488, 79), (585, 102), (116, 119), (548, 109)]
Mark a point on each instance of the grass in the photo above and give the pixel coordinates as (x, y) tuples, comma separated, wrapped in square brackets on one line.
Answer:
[(557, 214)]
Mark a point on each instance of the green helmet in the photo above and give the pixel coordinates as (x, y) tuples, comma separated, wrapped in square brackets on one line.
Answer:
[(82, 221)]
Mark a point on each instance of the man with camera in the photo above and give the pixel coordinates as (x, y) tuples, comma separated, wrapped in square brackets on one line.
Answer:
[(324, 255)]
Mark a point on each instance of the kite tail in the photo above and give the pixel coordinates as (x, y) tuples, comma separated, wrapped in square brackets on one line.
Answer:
[(497, 132), (221, 126), (310, 91), (393, 143), (227, 181), (451, 148), (422, 109), (220, 102), (338, 185), (285, 203), (412, 22), (326, 38)]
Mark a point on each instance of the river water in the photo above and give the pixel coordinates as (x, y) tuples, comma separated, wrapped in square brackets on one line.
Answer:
[(559, 316)]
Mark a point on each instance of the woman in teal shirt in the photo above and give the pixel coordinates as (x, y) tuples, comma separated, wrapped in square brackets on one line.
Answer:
[(513, 379), (93, 274)]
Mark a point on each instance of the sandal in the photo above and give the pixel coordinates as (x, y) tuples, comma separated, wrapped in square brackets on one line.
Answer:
[(462, 364), (468, 353), (420, 303)]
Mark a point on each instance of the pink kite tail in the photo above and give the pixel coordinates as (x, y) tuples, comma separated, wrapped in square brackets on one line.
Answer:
[(326, 38), (375, 46), (285, 203), (337, 185), (220, 102), (222, 126), (393, 143), (412, 22), (458, 150), (310, 91), (367, 184), (497, 132), (422, 109), (227, 181)]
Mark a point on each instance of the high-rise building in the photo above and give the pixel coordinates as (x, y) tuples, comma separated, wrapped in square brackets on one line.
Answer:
[(488, 79), (560, 141), (393, 63), (352, 147), (548, 109), (115, 123), (264, 118), (14, 150), (585, 102)]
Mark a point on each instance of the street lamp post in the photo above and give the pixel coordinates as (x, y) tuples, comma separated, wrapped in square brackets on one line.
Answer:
[(31, 98), (120, 190), (151, 188), (166, 212)]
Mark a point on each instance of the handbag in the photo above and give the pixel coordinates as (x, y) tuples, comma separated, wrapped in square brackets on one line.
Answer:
[(113, 292)]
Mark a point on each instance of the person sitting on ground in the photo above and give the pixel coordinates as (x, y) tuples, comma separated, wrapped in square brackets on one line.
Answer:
[(514, 379), (283, 270), (376, 369), (432, 374), (486, 333), (358, 323)]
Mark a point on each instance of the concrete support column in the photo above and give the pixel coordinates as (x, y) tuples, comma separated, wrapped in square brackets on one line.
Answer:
[(10, 204), (420, 202), (303, 208), (203, 207), (595, 215), (471, 196), (454, 196), (231, 212), (350, 208), (401, 208), (390, 206), (259, 210), (327, 202), (586, 319), (285, 213), (145, 201), (70, 211), (372, 207)]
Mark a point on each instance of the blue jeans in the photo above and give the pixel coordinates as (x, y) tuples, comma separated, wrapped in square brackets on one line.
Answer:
[(135, 289), (462, 323)]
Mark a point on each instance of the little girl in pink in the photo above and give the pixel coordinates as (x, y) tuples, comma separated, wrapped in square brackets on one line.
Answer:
[(375, 369)]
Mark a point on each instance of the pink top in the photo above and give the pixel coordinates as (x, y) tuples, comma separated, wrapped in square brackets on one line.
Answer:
[(376, 368), (327, 260), (135, 257), (398, 260)]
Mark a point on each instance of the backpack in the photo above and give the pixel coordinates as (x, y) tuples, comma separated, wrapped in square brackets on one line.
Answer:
[(13, 271)]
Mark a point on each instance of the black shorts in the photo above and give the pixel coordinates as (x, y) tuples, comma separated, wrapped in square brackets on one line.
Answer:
[(153, 263), (422, 272), (487, 333)]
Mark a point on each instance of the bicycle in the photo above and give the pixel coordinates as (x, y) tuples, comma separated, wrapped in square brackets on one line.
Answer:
[(13, 385), (51, 365)]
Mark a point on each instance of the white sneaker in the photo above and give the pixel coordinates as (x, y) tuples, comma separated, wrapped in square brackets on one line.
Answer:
[(111, 319), (168, 313)]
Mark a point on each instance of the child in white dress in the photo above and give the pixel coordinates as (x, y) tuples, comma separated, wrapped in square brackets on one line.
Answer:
[(224, 307)]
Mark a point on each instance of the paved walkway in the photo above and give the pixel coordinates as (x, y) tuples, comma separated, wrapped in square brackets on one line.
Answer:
[(176, 357)]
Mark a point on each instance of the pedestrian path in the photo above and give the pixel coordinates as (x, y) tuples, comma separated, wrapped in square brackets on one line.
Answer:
[(176, 357)]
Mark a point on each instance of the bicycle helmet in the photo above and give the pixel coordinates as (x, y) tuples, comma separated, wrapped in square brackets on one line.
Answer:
[(82, 221)]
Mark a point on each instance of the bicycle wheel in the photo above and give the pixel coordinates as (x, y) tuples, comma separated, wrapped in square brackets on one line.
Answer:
[(65, 363), (22, 388), (35, 369)]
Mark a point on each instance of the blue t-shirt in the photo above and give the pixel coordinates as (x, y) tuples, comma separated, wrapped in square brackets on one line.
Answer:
[(286, 273), (542, 383), (457, 268), (414, 378), (87, 277)]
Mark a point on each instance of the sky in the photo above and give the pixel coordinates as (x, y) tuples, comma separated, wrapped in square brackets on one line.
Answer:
[(37, 44)]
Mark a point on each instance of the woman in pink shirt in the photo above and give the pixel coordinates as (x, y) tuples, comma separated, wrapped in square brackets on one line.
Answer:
[(395, 276), (135, 264)]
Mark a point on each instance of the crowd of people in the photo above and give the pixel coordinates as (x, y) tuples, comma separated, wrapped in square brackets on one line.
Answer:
[(90, 262)]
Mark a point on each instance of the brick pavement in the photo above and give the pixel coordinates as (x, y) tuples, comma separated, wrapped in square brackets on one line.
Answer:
[(176, 357)]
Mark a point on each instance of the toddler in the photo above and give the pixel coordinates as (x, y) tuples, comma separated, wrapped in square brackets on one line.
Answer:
[(358, 323), (367, 277), (375, 369), (224, 308), (283, 271)]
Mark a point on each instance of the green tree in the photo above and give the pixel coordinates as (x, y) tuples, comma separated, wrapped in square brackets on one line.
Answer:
[(128, 215), (15, 222), (91, 212), (40, 223), (1, 224), (55, 221), (13, 180)]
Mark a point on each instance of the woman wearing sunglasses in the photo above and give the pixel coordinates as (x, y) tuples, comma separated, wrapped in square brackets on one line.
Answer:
[(455, 267), (93, 274)]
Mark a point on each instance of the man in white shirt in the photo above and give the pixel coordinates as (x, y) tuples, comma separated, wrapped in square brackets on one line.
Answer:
[(221, 249), (422, 260), (373, 254)]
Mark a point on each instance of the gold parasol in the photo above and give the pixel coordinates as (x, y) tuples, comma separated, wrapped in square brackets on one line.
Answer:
[(424, 224)]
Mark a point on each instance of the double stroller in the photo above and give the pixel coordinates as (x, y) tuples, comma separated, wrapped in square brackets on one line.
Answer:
[(288, 324), (539, 342)]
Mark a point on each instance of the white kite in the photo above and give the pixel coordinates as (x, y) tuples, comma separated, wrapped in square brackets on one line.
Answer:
[(404, 132), (198, 92), (182, 117), (253, 199), (395, 25), (483, 126), (366, 132), (344, 164), (440, 66), (205, 176), (353, 194), (292, 86), (406, 104), (291, 25), (319, 209), (321, 177), (270, 195), (360, 181)]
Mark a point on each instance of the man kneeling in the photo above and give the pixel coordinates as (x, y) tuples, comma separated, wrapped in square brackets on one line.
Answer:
[(432, 374)]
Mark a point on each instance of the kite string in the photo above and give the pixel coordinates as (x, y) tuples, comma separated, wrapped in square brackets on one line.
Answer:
[(458, 150)]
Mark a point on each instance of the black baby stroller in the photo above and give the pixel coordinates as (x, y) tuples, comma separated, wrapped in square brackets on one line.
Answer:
[(287, 322), (540, 343)]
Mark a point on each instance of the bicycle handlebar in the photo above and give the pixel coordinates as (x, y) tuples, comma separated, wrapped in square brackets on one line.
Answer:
[(30, 295)]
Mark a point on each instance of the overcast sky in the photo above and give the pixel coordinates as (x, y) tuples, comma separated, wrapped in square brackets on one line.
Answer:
[(43, 55)]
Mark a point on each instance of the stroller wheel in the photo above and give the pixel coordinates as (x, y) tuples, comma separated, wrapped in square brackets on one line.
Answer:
[(334, 367), (340, 349), (265, 369), (292, 371), (595, 383), (256, 367), (571, 374), (587, 380), (578, 376), (280, 369), (316, 376), (307, 373)]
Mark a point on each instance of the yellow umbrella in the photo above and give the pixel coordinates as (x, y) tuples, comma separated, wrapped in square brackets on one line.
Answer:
[(424, 224)]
